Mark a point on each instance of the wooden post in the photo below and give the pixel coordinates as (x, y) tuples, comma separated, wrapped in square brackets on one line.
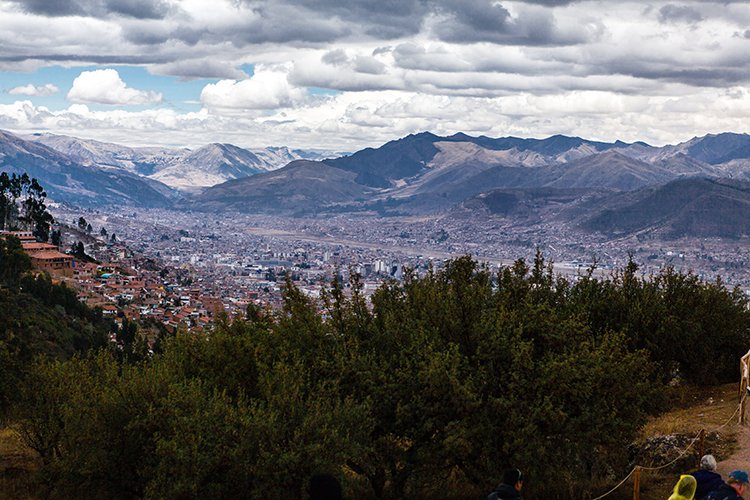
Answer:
[(637, 483), (744, 384), (701, 446)]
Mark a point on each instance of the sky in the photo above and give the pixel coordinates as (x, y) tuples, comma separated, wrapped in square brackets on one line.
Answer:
[(340, 75)]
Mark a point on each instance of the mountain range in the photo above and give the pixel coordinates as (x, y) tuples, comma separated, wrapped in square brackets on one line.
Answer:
[(179, 168), (615, 187)]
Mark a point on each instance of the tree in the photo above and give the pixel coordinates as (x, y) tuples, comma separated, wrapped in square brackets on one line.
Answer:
[(103, 232), (82, 224), (13, 260), (56, 237), (34, 213)]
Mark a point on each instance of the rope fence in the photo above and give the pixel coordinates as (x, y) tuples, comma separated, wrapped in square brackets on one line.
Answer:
[(638, 468)]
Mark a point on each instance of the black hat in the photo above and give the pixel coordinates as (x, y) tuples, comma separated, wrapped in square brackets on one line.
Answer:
[(512, 476), (324, 487)]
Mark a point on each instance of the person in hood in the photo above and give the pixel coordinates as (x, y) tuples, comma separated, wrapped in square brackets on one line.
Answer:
[(708, 479), (685, 488), (510, 488)]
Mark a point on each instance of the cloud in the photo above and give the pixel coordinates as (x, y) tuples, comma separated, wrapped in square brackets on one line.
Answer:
[(335, 57), (268, 88), (552, 3), (672, 13), (344, 73), (141, 9), (104, 86), (384, 20), (395, 66), (199, 68), (35, 90), (469, 21), (351, 121)]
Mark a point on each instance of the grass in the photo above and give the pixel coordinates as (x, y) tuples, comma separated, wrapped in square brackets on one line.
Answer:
[(708, 408), (695, 409), (18, 465)]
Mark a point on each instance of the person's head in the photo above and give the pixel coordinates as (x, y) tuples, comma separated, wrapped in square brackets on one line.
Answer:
[(685, 488), (738, 480), (708, 462), (324, 487), (513, 477)]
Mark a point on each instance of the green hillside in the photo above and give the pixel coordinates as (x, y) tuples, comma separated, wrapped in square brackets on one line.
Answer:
[(39, 319)]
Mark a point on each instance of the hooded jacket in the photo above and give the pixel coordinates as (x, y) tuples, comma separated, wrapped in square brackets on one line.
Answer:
[(708, 481), (505, 492)]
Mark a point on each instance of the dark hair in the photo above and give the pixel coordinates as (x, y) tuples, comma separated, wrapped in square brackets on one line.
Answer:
[(512, 476), (324, 487)]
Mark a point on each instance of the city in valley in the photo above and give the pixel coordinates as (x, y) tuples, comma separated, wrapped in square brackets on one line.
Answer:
[(180, 268)]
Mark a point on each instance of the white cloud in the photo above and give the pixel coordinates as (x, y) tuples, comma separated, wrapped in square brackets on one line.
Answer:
[(354, 120), (602, 70), (35, 90), (104, 86), (268, 88)]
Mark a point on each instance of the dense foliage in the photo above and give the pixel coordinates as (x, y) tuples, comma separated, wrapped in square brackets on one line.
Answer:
[(431, 390), (38, 318)]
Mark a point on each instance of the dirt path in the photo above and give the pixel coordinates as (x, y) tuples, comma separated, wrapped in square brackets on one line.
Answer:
[(741, 458)]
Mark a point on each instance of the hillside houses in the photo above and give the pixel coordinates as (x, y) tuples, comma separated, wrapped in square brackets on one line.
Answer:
[(122, 289)]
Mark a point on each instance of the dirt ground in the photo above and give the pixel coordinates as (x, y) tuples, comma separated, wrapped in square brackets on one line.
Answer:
[(713, 409)]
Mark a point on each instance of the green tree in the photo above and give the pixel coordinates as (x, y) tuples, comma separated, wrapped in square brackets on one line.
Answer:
[(56, 237), (34, 211), (13, 260)]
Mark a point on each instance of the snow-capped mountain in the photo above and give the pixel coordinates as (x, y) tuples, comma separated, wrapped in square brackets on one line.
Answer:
[(66, 180), (210, 165), (180, 168), (142, 160)]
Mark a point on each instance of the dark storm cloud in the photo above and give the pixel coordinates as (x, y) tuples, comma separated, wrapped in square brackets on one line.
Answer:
[(552, 3), (469, 21), (139, 9), (317, 21), (723, 73), (480, 16), (461, 21), (383, 19), (157, 35), (386, 19), (671, 13)]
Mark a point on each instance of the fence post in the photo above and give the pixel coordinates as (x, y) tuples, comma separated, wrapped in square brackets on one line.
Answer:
[(637, 483)]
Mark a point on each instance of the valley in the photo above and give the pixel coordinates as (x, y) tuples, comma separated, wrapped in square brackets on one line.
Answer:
[(219, 249)]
